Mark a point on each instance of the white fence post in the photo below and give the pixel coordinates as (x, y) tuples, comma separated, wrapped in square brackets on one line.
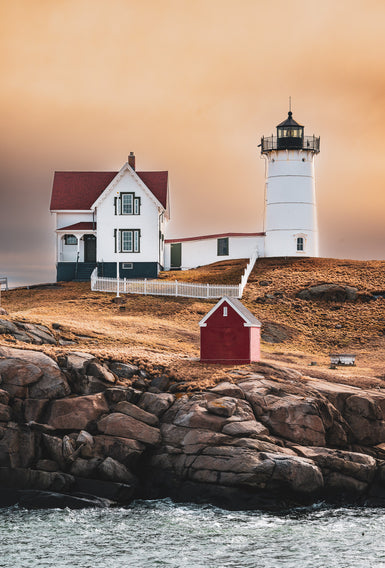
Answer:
[(145, 286), (176, 287)]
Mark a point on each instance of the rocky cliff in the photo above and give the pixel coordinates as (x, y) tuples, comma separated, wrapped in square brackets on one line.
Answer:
[(78, 432)]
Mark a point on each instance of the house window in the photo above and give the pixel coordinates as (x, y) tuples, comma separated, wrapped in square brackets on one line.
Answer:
[(129, 240), (129, 204), (70, 240), (225, 311), (127, 266), (223, 246), (300, 244)]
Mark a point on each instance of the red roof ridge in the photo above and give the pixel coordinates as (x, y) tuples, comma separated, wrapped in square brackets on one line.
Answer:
[(216, 236)]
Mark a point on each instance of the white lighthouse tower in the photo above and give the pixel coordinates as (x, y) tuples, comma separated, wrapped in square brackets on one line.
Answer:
[(290, 203)]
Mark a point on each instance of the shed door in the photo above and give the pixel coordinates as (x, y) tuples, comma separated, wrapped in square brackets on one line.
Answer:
[(176, 256)]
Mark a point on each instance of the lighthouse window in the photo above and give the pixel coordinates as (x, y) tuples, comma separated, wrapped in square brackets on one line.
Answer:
[(300, 244)]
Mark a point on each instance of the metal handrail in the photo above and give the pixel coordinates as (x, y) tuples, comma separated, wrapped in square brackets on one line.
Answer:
[(77, 265)]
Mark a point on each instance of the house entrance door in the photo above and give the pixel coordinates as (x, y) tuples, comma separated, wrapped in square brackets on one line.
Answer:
[(176, 256), (89, 248)]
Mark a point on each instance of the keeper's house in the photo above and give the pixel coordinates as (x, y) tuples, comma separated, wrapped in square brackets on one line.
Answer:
[(109, 218), (230, 334)]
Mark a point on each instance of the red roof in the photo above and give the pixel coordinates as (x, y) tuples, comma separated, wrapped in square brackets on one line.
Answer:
[(77, 191), (157, 184), (82, 226), (217, 236)]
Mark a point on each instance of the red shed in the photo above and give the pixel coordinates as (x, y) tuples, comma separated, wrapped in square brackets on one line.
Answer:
[(230, 334)]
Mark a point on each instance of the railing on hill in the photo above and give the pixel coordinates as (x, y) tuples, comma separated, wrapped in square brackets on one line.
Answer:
[(247, 272), (162, 288)]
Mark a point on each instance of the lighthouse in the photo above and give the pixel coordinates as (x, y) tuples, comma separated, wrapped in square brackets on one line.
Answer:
[(290, 201)]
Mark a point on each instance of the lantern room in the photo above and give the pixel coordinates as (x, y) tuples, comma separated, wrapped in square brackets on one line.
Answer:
[(289, 134)]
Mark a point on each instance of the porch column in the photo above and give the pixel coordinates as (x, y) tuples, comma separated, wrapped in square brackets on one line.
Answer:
[(78, 247)]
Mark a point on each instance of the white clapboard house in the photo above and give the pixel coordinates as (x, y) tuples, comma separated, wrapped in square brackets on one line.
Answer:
[(109, 218), (105, 218)]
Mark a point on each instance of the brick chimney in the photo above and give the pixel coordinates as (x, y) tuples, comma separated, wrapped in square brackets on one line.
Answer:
[(131, 160)]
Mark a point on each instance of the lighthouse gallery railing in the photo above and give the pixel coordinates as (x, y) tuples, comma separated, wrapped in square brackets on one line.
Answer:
[(308, 143)]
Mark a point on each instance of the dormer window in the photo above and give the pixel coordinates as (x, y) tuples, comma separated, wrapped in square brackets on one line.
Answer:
[(127, 204)]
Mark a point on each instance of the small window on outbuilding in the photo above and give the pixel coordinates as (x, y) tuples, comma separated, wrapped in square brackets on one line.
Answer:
[(300, 244), (70, 240), (223, 246), (224, 311)]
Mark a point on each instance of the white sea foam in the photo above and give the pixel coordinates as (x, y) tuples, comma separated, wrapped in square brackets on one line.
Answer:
[(162, 534)]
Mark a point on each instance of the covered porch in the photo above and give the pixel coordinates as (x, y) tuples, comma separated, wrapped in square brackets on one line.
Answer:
[(76, 251)]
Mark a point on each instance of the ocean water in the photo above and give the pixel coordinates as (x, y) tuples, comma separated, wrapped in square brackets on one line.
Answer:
[(161, 533)]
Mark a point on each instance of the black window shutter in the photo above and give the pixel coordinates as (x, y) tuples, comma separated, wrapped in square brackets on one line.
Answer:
[(115, 238), (115, 205)]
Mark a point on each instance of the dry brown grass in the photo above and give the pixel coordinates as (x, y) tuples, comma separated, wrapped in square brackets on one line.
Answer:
[(163, 333), (224, 272)]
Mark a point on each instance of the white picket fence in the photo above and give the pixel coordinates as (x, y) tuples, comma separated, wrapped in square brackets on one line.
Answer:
[(161, 288), (171, 287)]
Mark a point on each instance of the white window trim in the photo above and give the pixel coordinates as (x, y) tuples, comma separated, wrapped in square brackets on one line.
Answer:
[(126, 201), (304, 238), (128, 204), (134, 240)]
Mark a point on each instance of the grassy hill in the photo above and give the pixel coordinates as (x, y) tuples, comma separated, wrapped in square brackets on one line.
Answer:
[(164, 332)]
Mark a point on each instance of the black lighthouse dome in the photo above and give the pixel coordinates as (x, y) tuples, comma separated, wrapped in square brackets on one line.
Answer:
[(289, 133), (290, 136)]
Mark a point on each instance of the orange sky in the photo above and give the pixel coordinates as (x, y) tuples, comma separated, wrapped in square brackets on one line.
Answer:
[(190, 86)]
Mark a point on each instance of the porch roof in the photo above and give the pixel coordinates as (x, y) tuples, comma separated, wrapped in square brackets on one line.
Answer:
[(82, 226)]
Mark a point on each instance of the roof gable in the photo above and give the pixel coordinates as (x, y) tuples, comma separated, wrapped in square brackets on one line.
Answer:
[(78, 191), (249, 319)]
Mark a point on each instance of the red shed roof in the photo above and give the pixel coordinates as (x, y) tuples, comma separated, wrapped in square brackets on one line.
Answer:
[(246, 315), (82, 226), (77, 191)]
